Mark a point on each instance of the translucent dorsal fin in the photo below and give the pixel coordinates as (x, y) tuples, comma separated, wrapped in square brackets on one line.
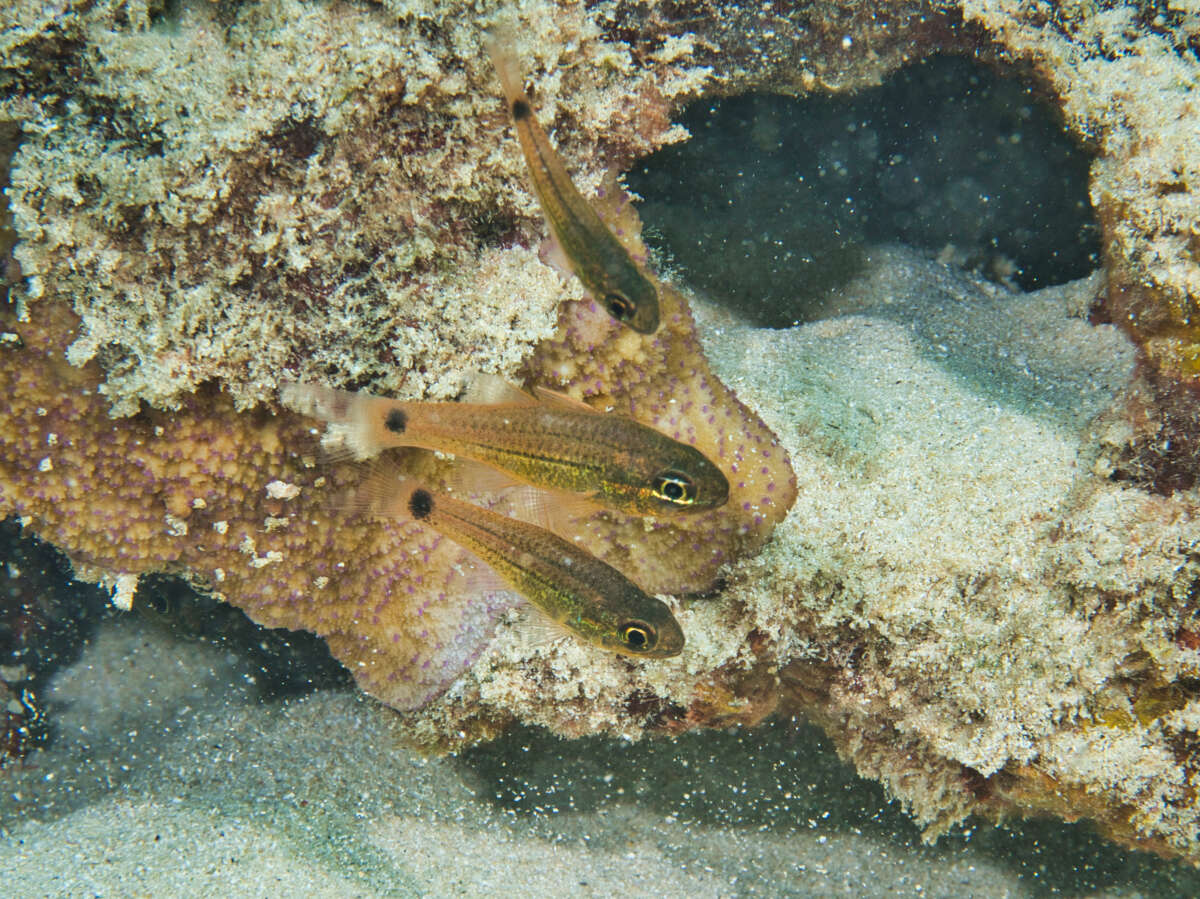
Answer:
[(492, 390), (560, 400)]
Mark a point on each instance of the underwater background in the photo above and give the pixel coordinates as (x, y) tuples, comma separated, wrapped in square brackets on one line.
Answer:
[(187, 752), (177, 748)]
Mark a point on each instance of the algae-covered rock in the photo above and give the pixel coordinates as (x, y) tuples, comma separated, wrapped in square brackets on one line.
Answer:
[(972, 594)]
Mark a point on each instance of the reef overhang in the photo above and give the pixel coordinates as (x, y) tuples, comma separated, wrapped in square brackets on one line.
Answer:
[(200, 210)]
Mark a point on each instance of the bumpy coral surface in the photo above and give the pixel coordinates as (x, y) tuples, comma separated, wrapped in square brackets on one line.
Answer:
[(217, 206), (234, 506), (210, 201)]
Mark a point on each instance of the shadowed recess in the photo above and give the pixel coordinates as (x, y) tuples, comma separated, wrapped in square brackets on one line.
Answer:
[(776, 200), (788, 780)]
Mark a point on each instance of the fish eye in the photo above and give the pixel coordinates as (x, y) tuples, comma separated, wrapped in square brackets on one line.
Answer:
[(638, 636), (675, 487), (618, 307)]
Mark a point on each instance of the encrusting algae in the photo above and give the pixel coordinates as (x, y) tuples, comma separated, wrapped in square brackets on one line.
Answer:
[(203, 212)]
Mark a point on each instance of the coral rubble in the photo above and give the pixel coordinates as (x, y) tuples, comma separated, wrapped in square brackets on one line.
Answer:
[(210, 197)]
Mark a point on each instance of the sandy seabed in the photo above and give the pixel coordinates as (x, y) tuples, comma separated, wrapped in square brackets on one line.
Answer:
[(170, 776)]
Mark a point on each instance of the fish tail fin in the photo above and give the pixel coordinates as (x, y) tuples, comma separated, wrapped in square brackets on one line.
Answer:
[(358, 421), (384, 492), (500, 44), (491, 390)]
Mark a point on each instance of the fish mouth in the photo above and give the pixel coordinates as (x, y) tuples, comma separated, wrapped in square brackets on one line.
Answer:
[(645, 320)]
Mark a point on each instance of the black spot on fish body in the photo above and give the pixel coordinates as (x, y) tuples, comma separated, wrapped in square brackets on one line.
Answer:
[(420, 504), (521, 109), (396, 421)]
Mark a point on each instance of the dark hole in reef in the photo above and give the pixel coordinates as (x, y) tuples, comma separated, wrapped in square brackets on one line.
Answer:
[(46, 618), (776, 200), (288, 662)]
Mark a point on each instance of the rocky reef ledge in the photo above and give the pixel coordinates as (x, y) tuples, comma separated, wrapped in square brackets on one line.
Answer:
[(985, 591)]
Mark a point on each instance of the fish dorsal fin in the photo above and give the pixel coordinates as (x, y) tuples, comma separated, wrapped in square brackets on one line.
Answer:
[(492, 390), (558, 400)]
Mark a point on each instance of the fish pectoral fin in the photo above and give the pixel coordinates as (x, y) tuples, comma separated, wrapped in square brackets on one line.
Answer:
[(552, 254), (535, 628), (567, 508), (467, 478), (529, 504), (553, 511), (478, 579), (492, 390), (613, 205), (558, 400)]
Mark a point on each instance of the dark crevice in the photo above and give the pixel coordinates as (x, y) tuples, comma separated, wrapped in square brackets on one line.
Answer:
[(775, 200)]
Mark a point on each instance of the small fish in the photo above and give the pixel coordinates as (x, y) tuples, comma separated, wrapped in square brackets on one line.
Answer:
[(595, 255), (574, 589), (554, 442)]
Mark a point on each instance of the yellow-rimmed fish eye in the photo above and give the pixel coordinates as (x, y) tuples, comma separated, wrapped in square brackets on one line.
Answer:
[(675, 487), (619, 307), (638, 636)]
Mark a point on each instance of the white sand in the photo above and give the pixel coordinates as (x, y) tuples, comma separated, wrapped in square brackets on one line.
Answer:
[(169, 778)]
